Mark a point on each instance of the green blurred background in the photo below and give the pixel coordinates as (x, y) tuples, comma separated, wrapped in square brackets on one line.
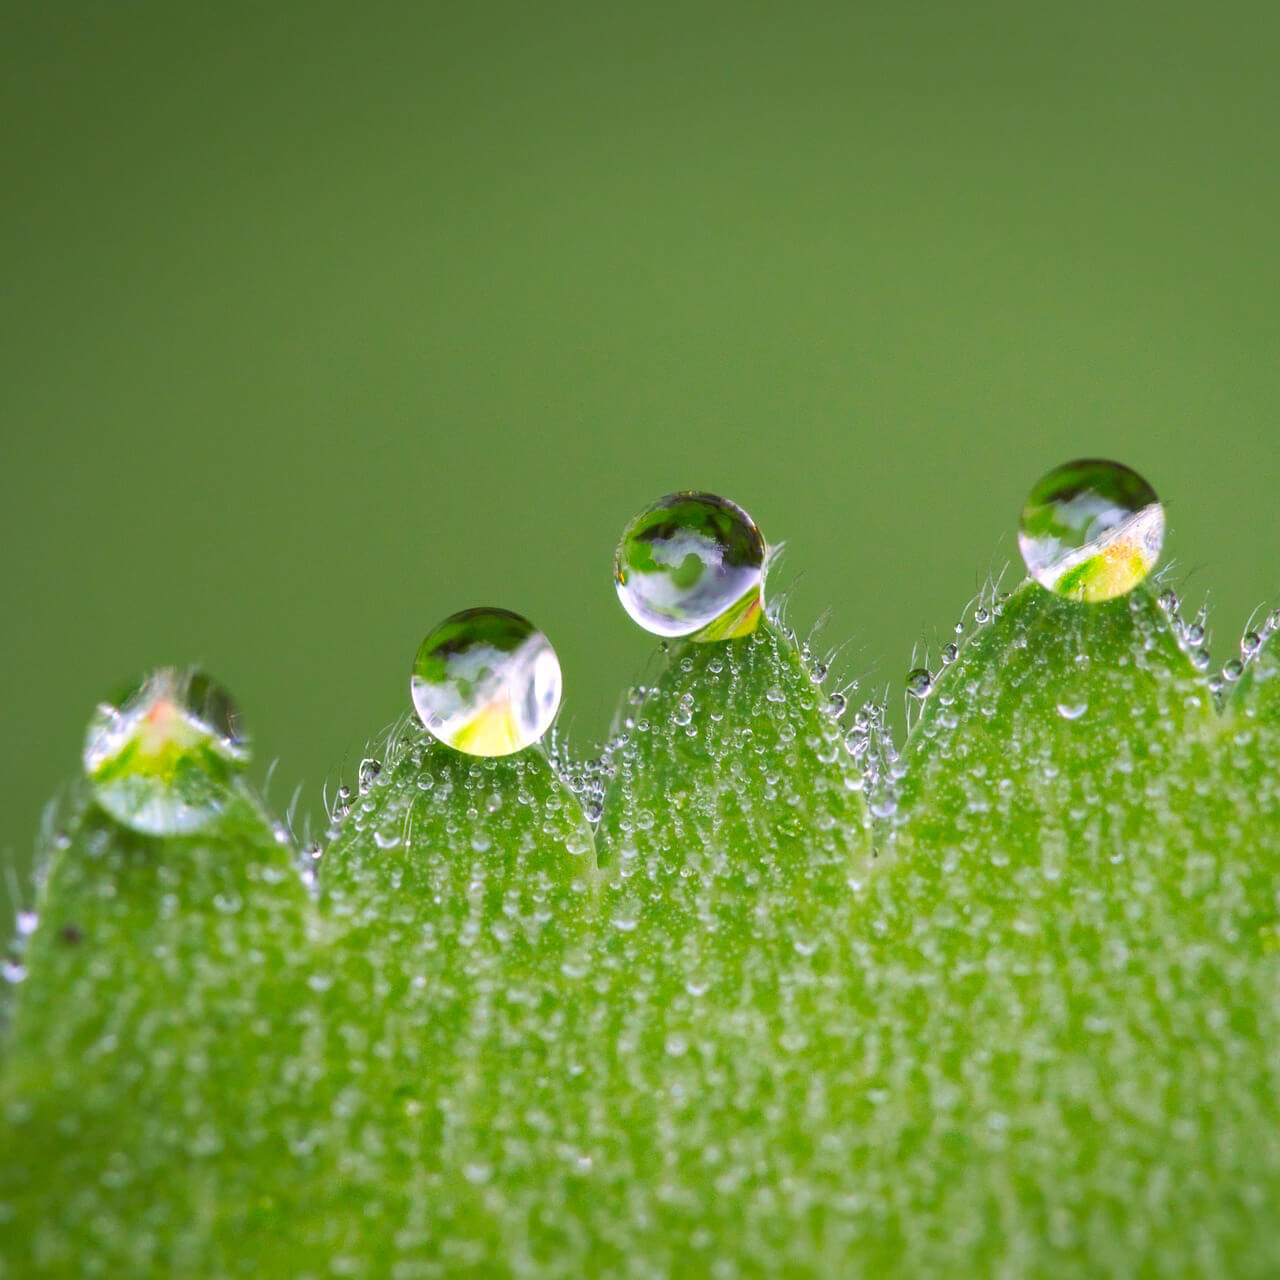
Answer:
[(322, 321)]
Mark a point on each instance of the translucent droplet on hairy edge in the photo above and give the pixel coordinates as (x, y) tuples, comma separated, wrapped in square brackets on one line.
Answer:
[(1091, 530), (486, 682), (919, 682), (692, 564), (160, 754)]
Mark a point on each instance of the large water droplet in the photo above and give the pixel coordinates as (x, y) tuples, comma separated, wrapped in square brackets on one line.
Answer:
[(159, 756), (1091, 530), (486, 682), (692, 564)]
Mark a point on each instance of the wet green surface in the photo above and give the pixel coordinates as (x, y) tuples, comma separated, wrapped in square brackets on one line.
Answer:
[(321, 324)]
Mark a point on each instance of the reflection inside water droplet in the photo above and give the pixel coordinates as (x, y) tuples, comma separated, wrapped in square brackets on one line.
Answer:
[(692, 564), (486, 682), (159, 755), (1091, 530)]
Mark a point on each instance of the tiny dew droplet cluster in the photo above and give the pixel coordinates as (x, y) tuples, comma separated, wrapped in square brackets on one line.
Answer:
[(161, 755)]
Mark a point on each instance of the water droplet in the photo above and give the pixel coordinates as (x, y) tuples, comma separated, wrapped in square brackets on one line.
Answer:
[(626, 915), (1234, 669), (1091, 530), (1072, 708), (342, 804), (160, 755), (27, 922), (692, 564), (882, 802), (1250, 643), (486, 682), (950, 653), (677, 1044), (369, 770), (919, 682), (1168, 600)]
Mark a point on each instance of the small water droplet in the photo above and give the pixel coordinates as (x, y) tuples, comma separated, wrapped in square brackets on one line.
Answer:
[(950, 653), (1168, 600), (919, 682), (486, 682), (882, 802), (692, 564), (27, 923), (1091, 530), (1072, 708), (626, 915), (369, 770), (1234, 669), (160, 755), (342, 803), (1250, 643)]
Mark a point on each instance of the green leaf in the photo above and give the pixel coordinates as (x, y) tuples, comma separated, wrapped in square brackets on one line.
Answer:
[(1024, 1021), (156, 1077)]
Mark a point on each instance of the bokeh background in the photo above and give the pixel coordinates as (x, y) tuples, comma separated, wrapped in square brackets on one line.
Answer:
[(321, 321)]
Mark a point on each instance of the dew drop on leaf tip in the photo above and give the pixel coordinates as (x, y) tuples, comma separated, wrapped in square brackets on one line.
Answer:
[(159, 754), (486, 682), (692, 564), (1092, 530)]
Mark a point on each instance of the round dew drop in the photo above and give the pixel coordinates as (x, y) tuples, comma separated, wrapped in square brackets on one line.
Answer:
[(919, 682), (692, 564), (486, 682), (160, 755), (1091, 530)]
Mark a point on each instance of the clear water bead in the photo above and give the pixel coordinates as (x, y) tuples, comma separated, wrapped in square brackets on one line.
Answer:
[(1091, 530), (160, 754), (919, 682), (486, 682), (692, 564)]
